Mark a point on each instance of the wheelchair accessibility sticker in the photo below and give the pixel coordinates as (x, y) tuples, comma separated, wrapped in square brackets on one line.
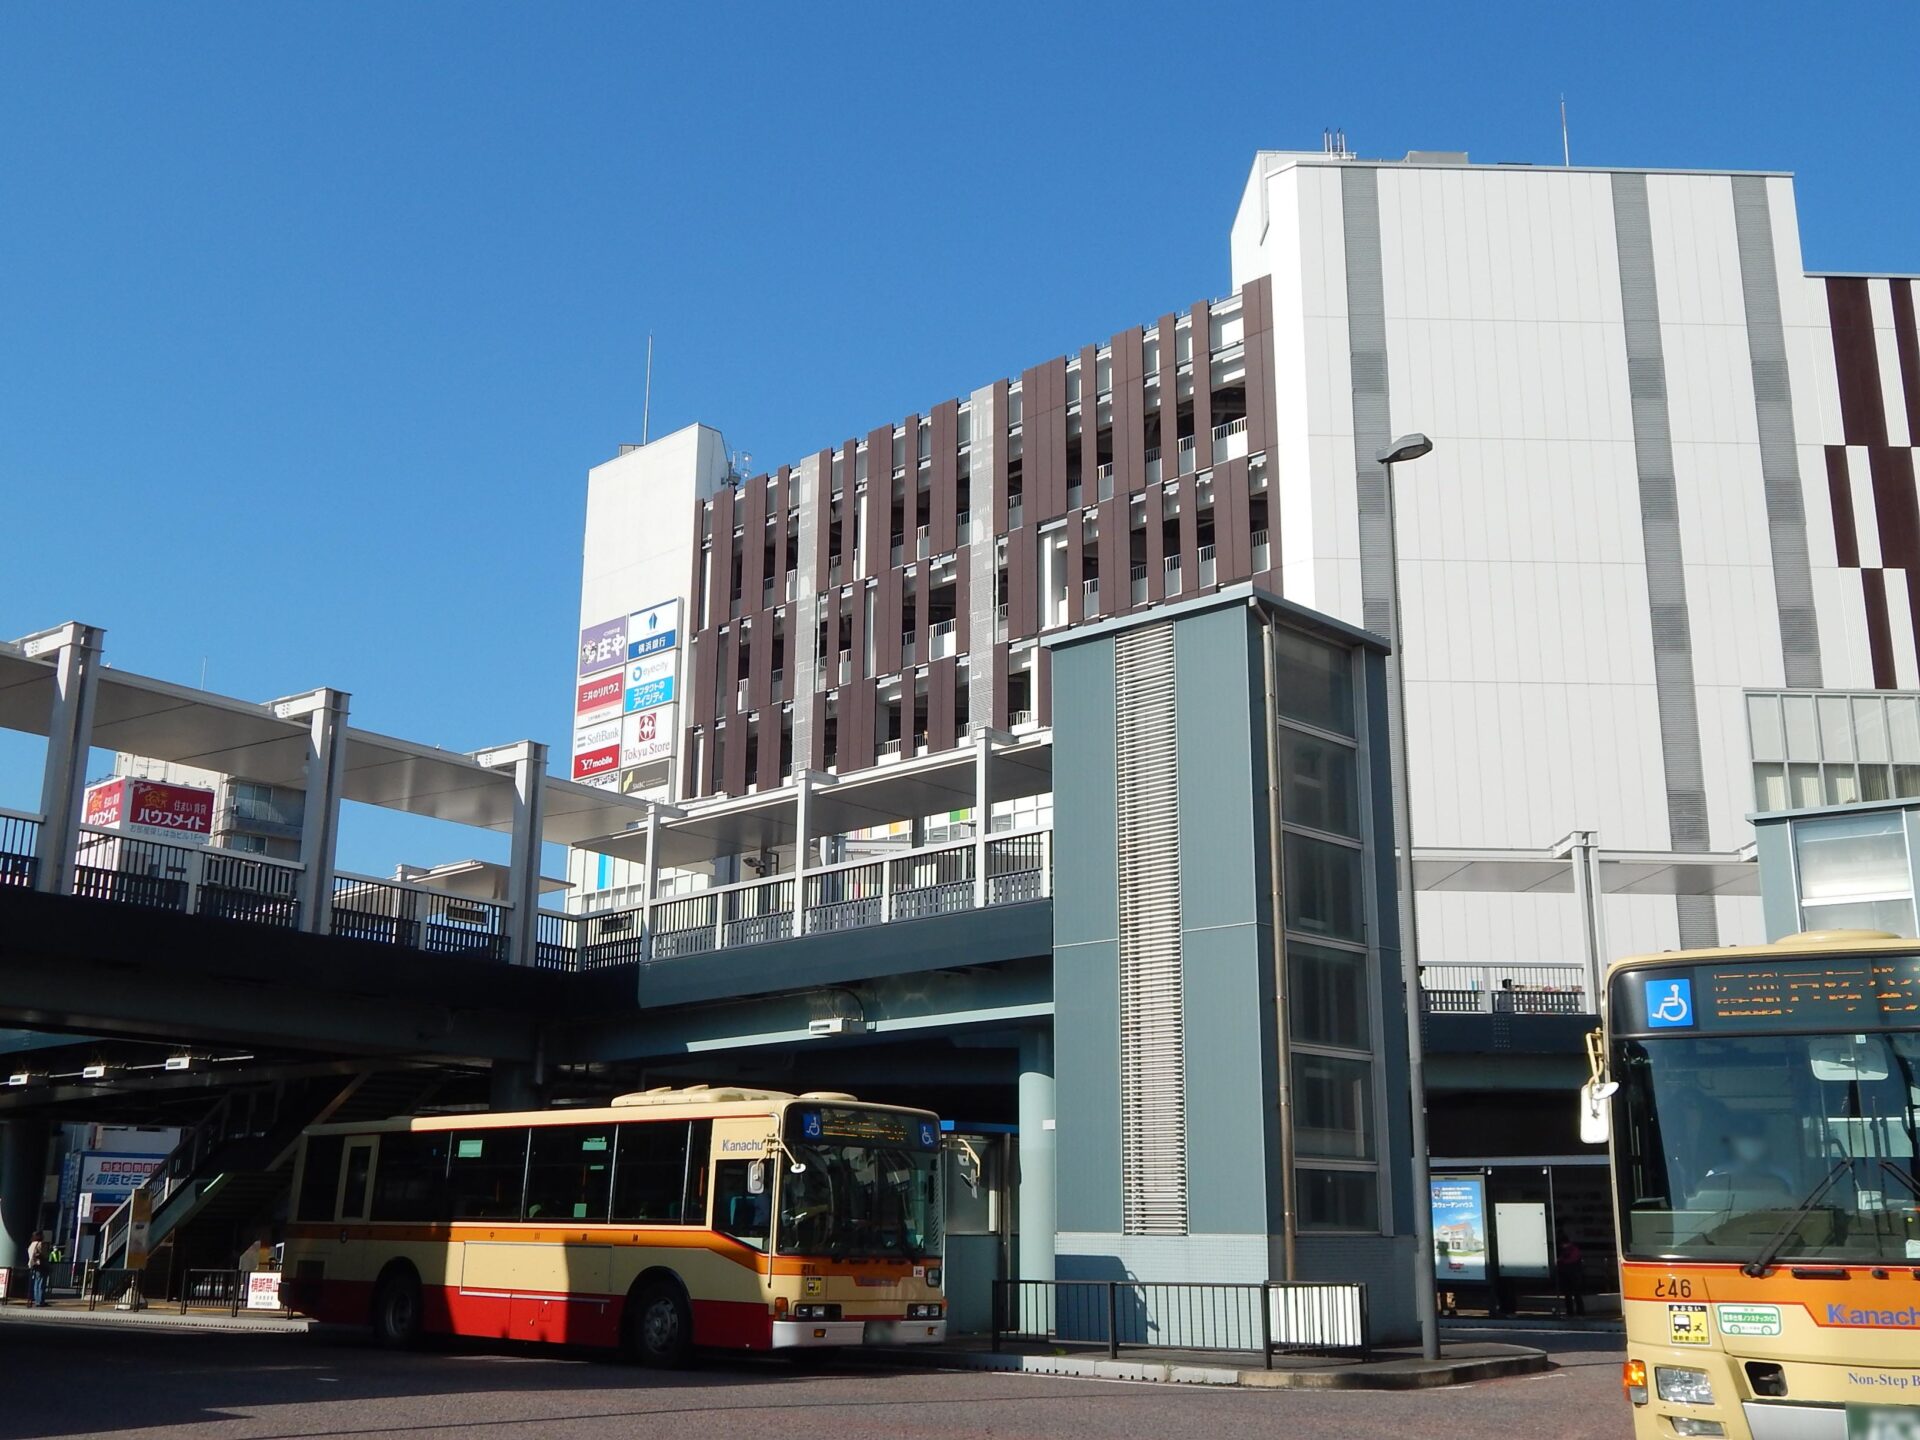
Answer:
[(1669, 1004), (1688, 1325)]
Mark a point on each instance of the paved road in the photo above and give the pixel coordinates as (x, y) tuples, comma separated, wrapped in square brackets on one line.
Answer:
[(72, 1380)]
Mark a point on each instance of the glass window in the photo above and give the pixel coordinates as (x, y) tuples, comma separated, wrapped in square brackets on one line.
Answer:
[(1836, 727), (1893, 916), (569, 1169), (1318, 784), (1327, 996), (320, 1181), (1332, 1107), (1876, 783), (1903, 729), (1852, 857), (1768, 740), (1803, 786), (1870, 728), (743, 1201), (1315, 682), (1803, 734), (1337, 1199), (660, 1178), (486, 1172), (1843, 787), (410, 1182), (1906, 781), (1770, 787), (353, 1200), (1323, 888)]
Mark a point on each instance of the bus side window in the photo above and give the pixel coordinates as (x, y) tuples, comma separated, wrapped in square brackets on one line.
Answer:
[(320, 1177), (567, 1172), (410, 1182), (650, 1175), (486, 1174), (353, 1197), (742, 1201)]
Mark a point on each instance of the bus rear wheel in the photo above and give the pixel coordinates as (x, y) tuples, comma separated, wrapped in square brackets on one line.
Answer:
[(396, 1311), (660, 1328)]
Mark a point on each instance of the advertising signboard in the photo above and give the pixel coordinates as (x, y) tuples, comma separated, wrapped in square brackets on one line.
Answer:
[(646, 783), (603, 646), (111, 1175), (597, 699), (139, 1229), (1460, 1229), (602, 779), (654, 630), (650, 682), (263, 1290), (179, 814), (647, 735)]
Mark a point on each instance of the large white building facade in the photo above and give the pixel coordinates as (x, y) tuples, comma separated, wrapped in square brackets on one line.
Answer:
[(1672, 490)]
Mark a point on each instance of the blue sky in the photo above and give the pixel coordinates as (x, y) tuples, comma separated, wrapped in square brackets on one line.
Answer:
[(312, 317)]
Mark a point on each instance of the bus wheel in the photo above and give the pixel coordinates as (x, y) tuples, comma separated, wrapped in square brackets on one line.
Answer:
[(396, 1311), (661, 1328)]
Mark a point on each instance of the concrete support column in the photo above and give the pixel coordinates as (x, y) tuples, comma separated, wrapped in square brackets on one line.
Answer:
[(75, 651), (1581, 850), (23, 1179), (325, 712), (1039, 1216), (529, 761), (982, 812)]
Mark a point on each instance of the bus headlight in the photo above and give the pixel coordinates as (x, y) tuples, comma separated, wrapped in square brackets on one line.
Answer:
[(1682, 1387), (923, 1312), (816, 1312), (1687, 1425)]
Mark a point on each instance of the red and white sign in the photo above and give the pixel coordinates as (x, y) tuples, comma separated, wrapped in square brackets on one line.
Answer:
[(591, 763), (646, 735), (597, 699), (263, 1290), (182, 814)]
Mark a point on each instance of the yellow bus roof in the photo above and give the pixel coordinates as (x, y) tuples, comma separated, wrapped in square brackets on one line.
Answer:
[(696, 1102), (1808, 942)]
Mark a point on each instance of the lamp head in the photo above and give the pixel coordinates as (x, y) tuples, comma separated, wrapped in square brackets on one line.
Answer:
[(1407, 447)]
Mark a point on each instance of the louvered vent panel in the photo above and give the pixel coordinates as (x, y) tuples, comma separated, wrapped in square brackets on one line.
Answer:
[(1153, 1095)]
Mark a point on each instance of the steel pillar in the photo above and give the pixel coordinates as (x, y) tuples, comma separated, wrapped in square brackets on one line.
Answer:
[(75, 651)]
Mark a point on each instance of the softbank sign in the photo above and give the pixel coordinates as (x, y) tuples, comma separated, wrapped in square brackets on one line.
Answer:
[(596, 749)]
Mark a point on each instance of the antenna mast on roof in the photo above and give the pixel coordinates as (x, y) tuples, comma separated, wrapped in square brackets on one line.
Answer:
[(646, 403), (1566, 155)]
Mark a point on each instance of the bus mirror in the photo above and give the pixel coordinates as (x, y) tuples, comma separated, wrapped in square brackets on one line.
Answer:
[(797, 1168), (757, 1177), (1596, 1126), (1847, 1058)]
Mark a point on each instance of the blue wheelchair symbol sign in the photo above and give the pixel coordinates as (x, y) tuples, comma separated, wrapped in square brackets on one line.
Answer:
[(1669, 1004), (810, 1125), (926, 1135)]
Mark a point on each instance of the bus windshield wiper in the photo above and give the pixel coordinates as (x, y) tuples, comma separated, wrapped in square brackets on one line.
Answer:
[(1758, 1265)]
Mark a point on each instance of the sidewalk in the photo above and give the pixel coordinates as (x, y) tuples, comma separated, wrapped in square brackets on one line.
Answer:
[(1394, 1368), (158, 1314)]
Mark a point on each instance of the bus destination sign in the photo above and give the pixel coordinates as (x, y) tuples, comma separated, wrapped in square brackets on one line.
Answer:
[(833, 1125), (1822, 994)]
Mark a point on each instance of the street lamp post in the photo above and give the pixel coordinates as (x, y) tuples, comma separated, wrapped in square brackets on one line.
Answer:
[(1409, 447)]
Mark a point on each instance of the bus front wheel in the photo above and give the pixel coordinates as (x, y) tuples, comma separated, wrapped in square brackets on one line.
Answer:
[(660, 1330), (396, 1311)]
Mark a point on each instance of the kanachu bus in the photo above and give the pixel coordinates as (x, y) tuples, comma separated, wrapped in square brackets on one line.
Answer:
[(736, 1219), (1761, 1105)]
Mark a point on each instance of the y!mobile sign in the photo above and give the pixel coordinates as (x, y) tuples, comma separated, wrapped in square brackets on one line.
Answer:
[(596, 750), (654, 630), (598, 699), (603, 646)]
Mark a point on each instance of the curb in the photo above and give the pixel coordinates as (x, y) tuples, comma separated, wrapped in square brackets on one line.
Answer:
[(152, 1320), (1391, 1375)]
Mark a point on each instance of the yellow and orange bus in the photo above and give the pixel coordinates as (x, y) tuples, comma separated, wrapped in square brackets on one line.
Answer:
[(733, 1219), (1761, 1105)]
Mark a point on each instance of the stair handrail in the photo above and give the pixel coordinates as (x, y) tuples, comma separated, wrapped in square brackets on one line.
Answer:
[(179, 1165)]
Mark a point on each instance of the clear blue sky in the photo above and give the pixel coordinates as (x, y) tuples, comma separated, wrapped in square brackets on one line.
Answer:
[(312, 317)]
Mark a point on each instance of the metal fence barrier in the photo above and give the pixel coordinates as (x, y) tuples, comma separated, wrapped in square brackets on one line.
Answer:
[(1308, 1318), (206, 1289)]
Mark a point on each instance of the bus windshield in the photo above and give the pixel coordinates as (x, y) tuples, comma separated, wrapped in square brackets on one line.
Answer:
[(1752, 1148), (860, 1200)]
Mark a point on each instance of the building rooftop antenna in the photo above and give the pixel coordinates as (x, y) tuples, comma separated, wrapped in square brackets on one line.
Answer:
[(1566, 154), (646, 402)]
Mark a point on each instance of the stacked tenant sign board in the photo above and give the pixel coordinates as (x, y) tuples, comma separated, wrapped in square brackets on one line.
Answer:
[(176, 814), (624, 705)]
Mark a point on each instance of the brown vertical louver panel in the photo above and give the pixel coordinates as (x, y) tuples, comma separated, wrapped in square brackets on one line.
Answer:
[(1056, 505), (720, 572), (1202, 386), (910, 517), (854, 607), (760, 662), (829, 676), (1863, 416), (962, 599), (1169, 396), (816, 757), (1873, 588), (1906, 339), (1257, 330), (823, 553), (940, 688), (1129, 414), (1116, 574), (856, 725), (1187, 497), (768, 729), (876, 536), (1895, 506), (1076, 563), (779, 502), (998, 514), (1022, 584), (1033, 445), (887, 615), (943, 498), (753, 541), (1156, 545), (1001, 652), (1846, 538), (922, 603), (733, 779), (1089, 441), (1043, 685), (1232, 544)]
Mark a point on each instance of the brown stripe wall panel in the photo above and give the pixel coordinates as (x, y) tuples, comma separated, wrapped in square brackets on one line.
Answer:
[(703, 663), (1169, 394), (997, 513), (857, 708), (1202, 385), (940, 690), (1256, 312), (1022, 584), (1001, 652), (1116, 586), (1043, 685), (753, 539), (1906, 335), (1873, 587), (733, 777), (770, 776), (1045, 444), (962, 599), (1076, 545), (760, 662), (1156, 544), (876, 537), (720, 572), (1129, 414), (816, 757), (1863, 417), (887, 615), (1232, 545), (1187, 497), (910, 518), (943, 495), (823, 551), (1846, 538), (1089, 441), (1895, 508), (779, 502), (922, 603)]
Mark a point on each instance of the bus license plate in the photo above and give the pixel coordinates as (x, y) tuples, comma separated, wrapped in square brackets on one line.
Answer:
[(1883, 1422)]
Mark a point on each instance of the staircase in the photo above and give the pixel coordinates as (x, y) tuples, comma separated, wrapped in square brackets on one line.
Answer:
[(225, 1183)]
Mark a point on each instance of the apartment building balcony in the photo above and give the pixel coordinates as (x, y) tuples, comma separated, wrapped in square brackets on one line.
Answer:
[(1230, 440), (1153, 466), (1262, 557), (1137, 591), (943, 640), (1170, 585), (1104, 477), (1189, 461), (1090, 597), (1207, 567)]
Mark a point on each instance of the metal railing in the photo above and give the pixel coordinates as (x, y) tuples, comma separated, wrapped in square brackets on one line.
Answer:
[(1269, 1318), (192, 880), (396, 912), (19, 840), (1544, 988)]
